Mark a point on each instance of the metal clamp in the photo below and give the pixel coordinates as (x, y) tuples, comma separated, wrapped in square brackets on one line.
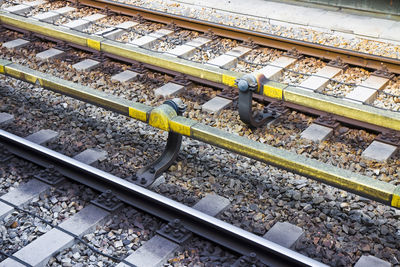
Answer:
[(148, 174), (175, 232), (50, 176), (108, 201), (247, 85), (250, 260)]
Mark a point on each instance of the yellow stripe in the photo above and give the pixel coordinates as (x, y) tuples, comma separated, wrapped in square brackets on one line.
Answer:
[(228, 80), (273, 92), (1, 69), (94, 44), (343, 108), (396, 197), (181, 125), (137, 114), (160, 116)]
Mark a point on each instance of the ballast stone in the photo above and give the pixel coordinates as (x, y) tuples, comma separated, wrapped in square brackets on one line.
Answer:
[(379, 151), (49, 54), (215, 105), (369, 260), (316, 133), (169, 90), (284, 234), (14, 44)]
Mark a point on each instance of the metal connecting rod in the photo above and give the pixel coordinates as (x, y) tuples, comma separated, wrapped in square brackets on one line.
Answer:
[(248, 85), (148, 174)]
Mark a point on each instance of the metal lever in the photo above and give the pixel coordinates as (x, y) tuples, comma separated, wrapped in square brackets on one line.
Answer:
[(247, 85), (148, 174)]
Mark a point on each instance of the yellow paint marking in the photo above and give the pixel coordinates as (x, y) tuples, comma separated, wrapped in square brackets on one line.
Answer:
[(179, 128), (94, 44), (160, 117), (1, 69), (273, 92), (137, 114), (228, 80), (396, 198)]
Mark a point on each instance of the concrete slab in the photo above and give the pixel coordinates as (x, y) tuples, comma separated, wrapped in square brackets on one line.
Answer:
[(316, 133), (49, 16), (370, 260), (320, 79), (215, 105), (274, 70), (212, 204), (90, 156), (38, 252), (64, 10), (284, 234), (114, 34), (375, 82), (86, 65), (152, 253), (145, 41), (6, 118), (14, 44), (34, 3), (18, 9), (183, 51), (22, 195), (379, 151), (105, 31), (362, 94), (238, 51), (126, 25), (169, 90), (223, 61), (94, 17), (49, 54), (78, 24), (160, 33), (42, 137), (198, 42), (391, 33), (125, 76)]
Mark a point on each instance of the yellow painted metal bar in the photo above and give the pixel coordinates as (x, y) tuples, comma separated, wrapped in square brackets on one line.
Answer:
[(344, 108), (314, 169), (164, 117), (359, 112)]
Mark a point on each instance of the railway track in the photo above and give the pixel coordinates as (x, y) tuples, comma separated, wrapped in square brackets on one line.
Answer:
[(305, 95), (372, 188), (77, 169)]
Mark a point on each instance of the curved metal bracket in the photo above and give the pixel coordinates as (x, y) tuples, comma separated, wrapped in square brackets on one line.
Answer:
[(247, 85), (146, 176)]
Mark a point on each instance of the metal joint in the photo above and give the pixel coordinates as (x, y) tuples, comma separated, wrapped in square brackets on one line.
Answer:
[(383, 72), (107, 201), (229, 93), (338, 63), (63, 46), (175, 232), (249, 43), (247, 85), (5, 154), (138, 67), (50, 176), (389, 137), (277, 109), (250, 260), (181, 80), (99, 56), (327, 121), (147, 175), (294, 53), (210, 34)]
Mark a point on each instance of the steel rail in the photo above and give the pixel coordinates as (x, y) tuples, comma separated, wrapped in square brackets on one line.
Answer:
[(199, 223), (275, 41)]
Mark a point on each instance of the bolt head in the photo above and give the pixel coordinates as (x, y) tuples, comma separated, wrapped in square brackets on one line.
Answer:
[(243, 85)]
